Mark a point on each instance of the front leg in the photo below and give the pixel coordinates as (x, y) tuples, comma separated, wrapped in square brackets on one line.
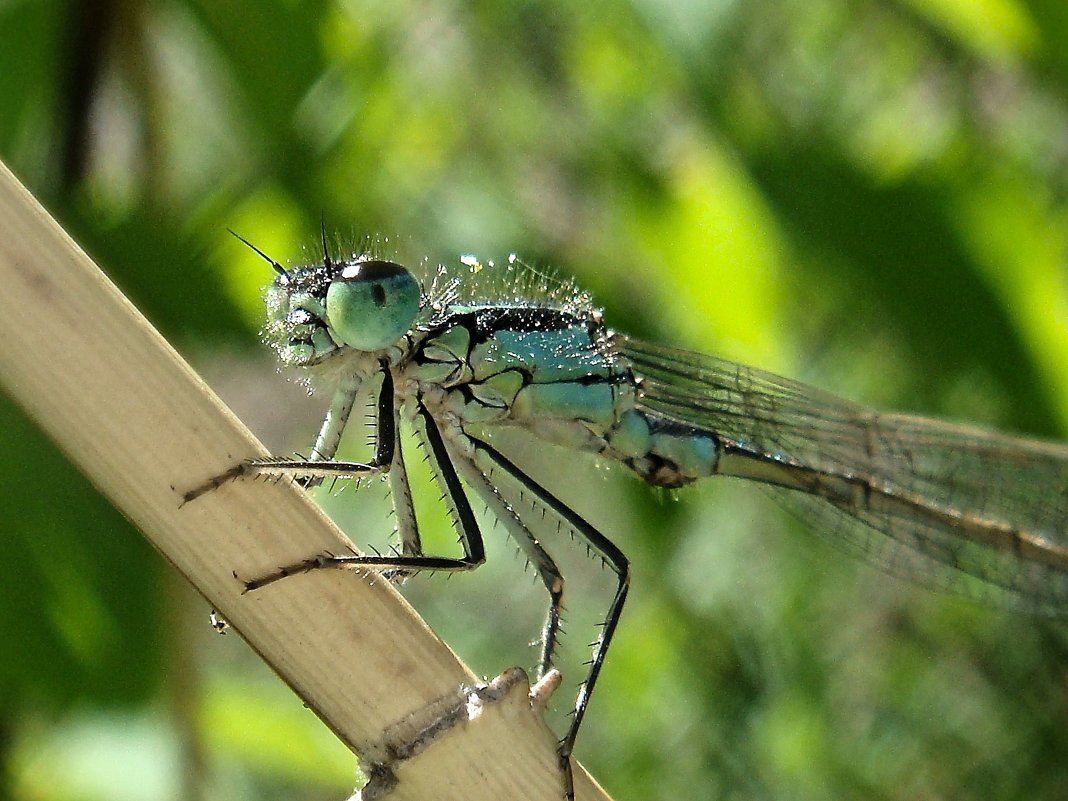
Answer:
[(320, 463)]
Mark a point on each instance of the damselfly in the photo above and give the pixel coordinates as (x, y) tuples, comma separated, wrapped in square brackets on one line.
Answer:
[(474, 349)]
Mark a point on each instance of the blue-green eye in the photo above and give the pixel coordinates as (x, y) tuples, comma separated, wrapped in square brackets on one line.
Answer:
[(371, 304)]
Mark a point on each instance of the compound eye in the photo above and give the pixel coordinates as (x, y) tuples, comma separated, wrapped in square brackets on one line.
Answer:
[(372, 304)]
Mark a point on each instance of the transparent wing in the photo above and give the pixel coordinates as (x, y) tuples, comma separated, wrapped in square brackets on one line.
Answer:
[(950, 506)]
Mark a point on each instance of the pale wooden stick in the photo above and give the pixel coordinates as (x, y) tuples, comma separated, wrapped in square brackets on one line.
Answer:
[(131, 414)]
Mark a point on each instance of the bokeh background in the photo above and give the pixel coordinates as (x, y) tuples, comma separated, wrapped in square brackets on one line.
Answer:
[(867, 195)]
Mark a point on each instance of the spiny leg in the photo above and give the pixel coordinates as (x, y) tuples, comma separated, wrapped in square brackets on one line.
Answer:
[(403, 506), (613, 557), (320, 463), (295, 469), (463, 520), (543, 563), (337, 417)]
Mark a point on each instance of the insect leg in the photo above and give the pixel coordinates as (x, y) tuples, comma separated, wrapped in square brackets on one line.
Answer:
[(463, 520), (320, 464), (613, 557), (543, 563)]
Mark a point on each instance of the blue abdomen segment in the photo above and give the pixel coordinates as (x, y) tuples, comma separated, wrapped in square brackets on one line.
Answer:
[(663, 453)]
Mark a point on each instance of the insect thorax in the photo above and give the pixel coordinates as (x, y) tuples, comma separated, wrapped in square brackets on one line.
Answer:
[(554, 374)]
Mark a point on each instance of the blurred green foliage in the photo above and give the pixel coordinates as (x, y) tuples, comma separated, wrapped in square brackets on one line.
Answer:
[(866, 195)]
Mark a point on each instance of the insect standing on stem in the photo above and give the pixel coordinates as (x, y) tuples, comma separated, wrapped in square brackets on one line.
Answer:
[(481, 348)]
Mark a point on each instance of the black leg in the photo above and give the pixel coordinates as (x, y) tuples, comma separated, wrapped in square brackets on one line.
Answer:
[(613, 557), (463, 520), (337, 418), (536, 555), (320, 463)]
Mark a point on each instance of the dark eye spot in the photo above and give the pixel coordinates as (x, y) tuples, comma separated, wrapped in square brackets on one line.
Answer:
[(378, 295)]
